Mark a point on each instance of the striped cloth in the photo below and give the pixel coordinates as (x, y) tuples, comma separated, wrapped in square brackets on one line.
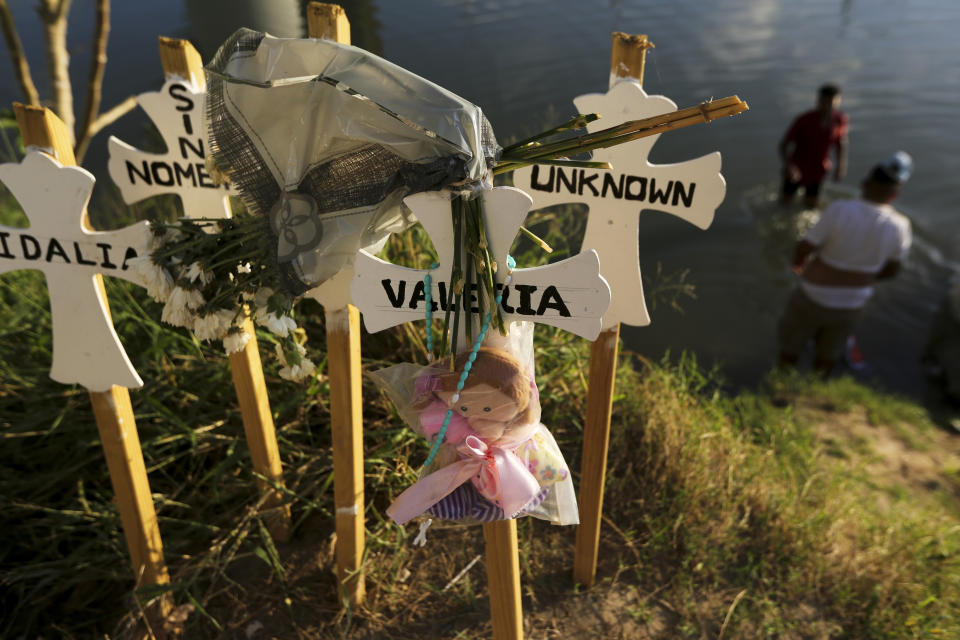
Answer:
[(466, 503)]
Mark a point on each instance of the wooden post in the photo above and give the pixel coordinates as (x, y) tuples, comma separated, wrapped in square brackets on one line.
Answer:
[(346, 425), (345, 373), (503, 579), (39, 127), (180, 59), (627, 61), (328, 21), (593, 463)]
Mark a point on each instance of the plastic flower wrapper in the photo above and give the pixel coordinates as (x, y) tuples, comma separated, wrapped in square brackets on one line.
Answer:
[(496, 459), (324, 140)]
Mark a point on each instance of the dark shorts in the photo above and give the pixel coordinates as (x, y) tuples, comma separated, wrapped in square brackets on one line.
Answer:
[(804, 320), (810, 189)]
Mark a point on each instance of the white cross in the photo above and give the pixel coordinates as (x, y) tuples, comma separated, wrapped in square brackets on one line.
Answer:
[(177, 112), (570, 294), (58, 242), (691, 190)]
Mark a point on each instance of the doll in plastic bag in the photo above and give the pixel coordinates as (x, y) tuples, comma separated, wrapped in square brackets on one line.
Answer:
[(496, 460)]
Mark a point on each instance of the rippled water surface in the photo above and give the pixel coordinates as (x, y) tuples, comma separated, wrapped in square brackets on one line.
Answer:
[(524, 60)]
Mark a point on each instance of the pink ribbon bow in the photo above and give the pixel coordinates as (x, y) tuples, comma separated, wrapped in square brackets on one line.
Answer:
[(498, 474)]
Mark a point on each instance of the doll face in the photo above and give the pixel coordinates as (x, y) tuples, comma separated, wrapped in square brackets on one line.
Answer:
[(485, 408)]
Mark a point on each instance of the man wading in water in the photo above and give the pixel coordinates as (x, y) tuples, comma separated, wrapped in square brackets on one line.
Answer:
[(854, 244), (805, 149)]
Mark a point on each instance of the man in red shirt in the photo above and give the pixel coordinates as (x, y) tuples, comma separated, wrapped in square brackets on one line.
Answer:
[(805, 149)]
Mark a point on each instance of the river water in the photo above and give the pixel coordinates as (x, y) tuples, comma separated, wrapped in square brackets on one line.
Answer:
[(524, 60)]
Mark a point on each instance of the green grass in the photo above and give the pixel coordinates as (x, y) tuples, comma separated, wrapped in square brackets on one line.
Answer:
[(724, 514)]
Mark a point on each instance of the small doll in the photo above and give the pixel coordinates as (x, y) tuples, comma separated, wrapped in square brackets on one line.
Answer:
[(477, 473), (499, 402)]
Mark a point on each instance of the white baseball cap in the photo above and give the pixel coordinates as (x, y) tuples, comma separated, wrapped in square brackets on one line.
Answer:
[(897, 167)]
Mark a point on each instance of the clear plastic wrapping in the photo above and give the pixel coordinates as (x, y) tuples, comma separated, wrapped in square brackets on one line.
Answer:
[(496, 459), (325, 140)]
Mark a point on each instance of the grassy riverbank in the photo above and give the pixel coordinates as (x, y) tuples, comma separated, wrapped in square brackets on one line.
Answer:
[(835, 513), (836, 516)]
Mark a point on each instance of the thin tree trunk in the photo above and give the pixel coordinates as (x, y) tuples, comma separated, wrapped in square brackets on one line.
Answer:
[(95, 83), (20, 66), (53, 13)]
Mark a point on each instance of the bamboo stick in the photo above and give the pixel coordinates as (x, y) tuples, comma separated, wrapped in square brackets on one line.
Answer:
[(181, 60), (630, 131), (346, 393), (628, 56), (112, 409)]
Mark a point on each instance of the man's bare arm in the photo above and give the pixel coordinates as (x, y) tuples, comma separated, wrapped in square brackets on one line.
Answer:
[(841, 171), (801, 253)]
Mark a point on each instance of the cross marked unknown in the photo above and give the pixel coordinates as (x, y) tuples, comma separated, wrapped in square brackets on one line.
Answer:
[(570, 294), (177, 112), (58, 242), (691, 190)]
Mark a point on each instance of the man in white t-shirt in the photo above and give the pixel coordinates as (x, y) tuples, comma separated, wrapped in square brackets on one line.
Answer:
[(854, 244)]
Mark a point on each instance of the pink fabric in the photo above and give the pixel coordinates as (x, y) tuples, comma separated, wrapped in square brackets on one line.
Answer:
[(498, 474), (431, 419)]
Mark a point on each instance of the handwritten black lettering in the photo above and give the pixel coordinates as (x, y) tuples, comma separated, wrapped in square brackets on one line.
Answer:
[(609, 183), (551, 300), (180, 173), (32, 253), (106, 264), (525, 291), (3, 242), (185, 144), (396, 299), (659, 195), (79, 255), (627, 195), (181, 93), (587, 182), (166, 181), (541, 186), (571, 182), (129, 254)]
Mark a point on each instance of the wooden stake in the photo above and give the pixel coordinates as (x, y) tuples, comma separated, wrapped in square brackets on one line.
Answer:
[(346, 424), (328, 21), (112, 409), (346, 400), (503, 579), (593, 465), (180, 59), (629, 53), (628, 56)]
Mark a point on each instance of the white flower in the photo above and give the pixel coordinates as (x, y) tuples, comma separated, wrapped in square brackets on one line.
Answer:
[(181, 307), (279, 325), (195, 271), (235, 341), (158, 280), (262, 297), (213, 326), (296, 372), (244, 268)]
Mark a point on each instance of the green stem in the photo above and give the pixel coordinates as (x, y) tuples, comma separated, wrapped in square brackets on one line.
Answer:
[(584, 164), (577, 122)]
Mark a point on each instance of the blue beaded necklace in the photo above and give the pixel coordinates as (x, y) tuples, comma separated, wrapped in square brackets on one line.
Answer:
[(511, 264)]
